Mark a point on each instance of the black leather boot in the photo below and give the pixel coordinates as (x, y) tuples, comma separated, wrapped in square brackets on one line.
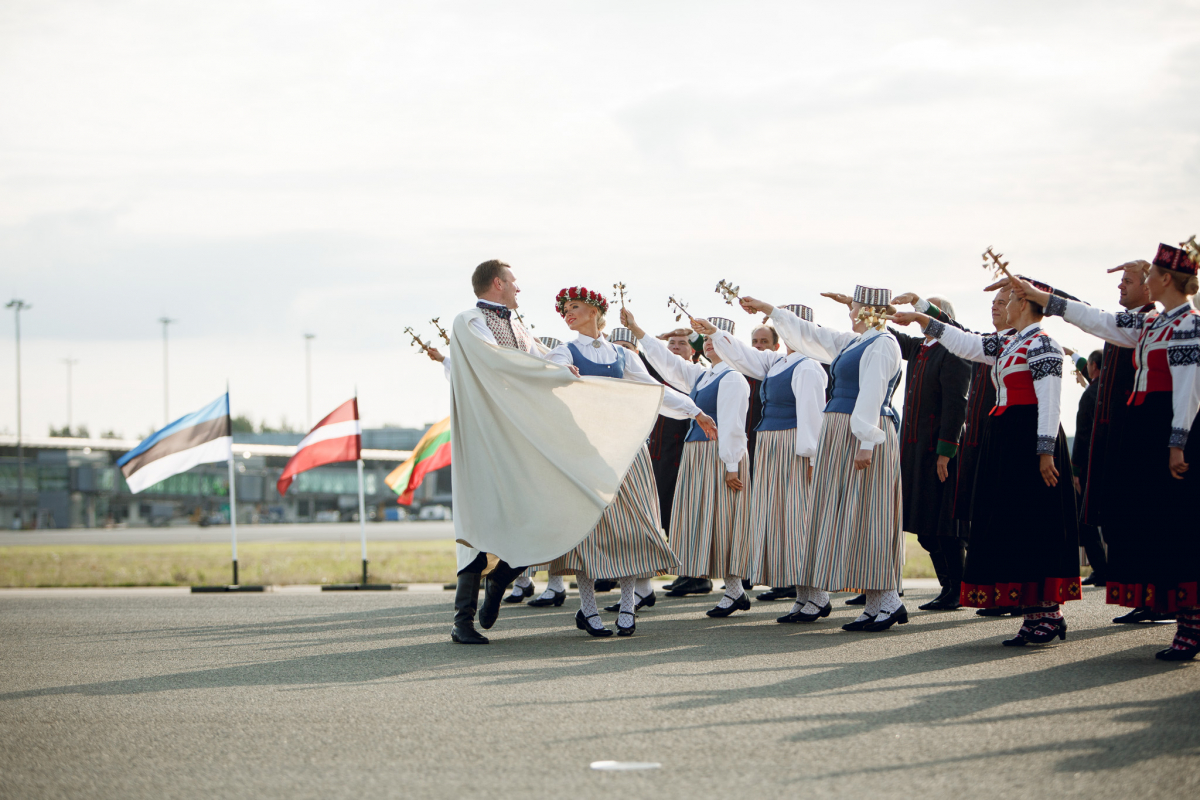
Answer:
[(493, 592), (956, 560), (466, 598), (939, 568)]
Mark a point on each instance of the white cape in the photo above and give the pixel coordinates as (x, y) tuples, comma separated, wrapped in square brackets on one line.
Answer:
[(538, 453)]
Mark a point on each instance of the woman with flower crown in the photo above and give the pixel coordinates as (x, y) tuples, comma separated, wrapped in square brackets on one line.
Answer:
[(627, 544)]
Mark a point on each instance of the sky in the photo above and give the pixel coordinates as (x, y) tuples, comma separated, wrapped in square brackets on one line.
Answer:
[(261, 170)]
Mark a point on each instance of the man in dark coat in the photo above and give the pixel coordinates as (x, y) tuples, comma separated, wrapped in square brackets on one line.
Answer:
[(1115, 384), (935, 407), (1089, 535)]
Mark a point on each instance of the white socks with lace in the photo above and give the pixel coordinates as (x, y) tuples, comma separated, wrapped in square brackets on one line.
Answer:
[(885, 602), (643, 587), (733, 590), (809, 600), (519, 586), (556, 585), (587, 600), (628, 601)]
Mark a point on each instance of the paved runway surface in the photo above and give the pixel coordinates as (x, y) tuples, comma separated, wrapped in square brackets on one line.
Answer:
[(318, 696), (194, 534)]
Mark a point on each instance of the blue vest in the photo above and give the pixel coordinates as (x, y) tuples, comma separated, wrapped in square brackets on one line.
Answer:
[(706, 398), (844, 383), (778, 401), (588, 367)]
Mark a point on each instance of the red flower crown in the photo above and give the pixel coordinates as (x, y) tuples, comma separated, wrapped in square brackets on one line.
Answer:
[(581, 294)]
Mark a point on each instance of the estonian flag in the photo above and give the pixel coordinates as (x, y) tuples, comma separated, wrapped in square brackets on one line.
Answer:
[(199, 438)]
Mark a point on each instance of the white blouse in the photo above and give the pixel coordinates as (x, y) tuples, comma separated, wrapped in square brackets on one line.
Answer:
[(808, 383), (674, 404), (879, 365), (733, 399)]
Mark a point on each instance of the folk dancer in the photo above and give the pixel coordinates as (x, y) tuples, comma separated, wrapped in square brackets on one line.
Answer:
[(792, 395), (710, 512), (1024, 534), (1156, 442), (855, 539)]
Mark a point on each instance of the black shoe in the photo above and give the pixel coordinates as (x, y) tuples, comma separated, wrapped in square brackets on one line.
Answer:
[(1094, 579), (882, 623), (1142, 615), (642, 602), (741, 604), (692, 586), (858, 625), (678, 580), (995, 612), (1184, 648), (493, 592), (746, 585), (1041, 633), (936, 603), (466, 598), (777, 593), (581, 622), (605, 585), (556, 600), (622, 630), (800, 616), (514, 597), (861, 600)]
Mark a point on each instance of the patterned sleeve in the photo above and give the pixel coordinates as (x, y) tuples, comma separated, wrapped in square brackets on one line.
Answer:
[(1121, 329), (1045, 359), (1183, 358), (982, 347)]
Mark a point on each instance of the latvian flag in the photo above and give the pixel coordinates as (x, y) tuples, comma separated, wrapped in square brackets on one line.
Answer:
[(199, 438), (338, 437)]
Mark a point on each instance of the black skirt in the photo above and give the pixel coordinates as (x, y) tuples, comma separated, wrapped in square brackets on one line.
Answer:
[(1154, 554), (1024, 547)]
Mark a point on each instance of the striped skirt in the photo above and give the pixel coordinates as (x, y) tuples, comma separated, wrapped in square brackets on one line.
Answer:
[(856, 540), (708, 519), (628, 541), (780, 502)]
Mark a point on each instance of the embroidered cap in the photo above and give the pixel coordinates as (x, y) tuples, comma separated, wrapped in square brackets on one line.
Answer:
[(1174, 259), (722, 324), (621, 335), (801, 311), (580, 293), (872, 297), (550, 341)]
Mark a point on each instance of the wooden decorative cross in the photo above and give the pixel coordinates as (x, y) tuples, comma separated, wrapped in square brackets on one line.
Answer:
[(680, 307), (992, 261), (417, 339), (441, 331), (620, 294), (728, 292)]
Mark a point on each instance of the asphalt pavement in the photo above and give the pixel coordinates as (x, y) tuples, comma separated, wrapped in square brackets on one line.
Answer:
[(158, 695), (194, 534)]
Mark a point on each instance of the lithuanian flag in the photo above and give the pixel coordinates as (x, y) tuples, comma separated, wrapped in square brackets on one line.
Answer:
[(431, 453)]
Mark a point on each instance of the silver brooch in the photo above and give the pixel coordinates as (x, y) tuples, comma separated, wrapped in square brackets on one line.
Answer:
[(596, 343)]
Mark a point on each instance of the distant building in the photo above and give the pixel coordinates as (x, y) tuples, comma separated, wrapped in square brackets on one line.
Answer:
[(74, 483)]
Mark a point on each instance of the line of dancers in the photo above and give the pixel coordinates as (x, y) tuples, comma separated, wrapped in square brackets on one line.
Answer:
[(977, 466)]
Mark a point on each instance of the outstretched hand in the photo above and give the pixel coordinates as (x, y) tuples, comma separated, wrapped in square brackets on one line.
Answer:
[(752, 306), (1000, 284), (676, 332), (844, 299), (909, 317), (1027, 291), (906, 299), (703, 326)]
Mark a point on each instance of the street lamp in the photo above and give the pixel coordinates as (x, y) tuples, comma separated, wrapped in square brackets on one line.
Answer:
[(70, 362), (308, 337), (18, 306), (166, 410)]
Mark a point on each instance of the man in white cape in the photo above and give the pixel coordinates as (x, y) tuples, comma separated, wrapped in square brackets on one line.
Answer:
[(538, 451)]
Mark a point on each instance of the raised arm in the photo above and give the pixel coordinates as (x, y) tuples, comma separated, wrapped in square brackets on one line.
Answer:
[(675, 405), (808, 338), (742, 357), (1121, 329), (808, 384), (981, 347), (673, 368)]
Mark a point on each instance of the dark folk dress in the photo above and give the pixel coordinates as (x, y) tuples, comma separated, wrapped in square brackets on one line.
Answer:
[(666, 450), (1024, 534), (1155, 562), (935, 405), (981, 399)]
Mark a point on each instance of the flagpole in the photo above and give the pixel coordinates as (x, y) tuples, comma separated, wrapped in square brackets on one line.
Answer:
[(232, 500), (362, 520)]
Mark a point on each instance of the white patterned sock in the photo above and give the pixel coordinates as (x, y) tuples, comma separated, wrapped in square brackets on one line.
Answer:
[(556, 584), (733, 586), (587, 600), (523, 581), (874, 602), (890, 602), (862, 617), (817, 597), (643, 587), (628, 600)]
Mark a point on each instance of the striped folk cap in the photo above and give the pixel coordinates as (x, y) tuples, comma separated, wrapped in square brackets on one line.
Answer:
[(621, 335), (801, 311), (550, 341), (722, 324), (868, 296)]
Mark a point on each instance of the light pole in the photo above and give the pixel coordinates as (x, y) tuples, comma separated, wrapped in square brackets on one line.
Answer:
[(70, 362), (166, 408), (308, 337), (18, 306)]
